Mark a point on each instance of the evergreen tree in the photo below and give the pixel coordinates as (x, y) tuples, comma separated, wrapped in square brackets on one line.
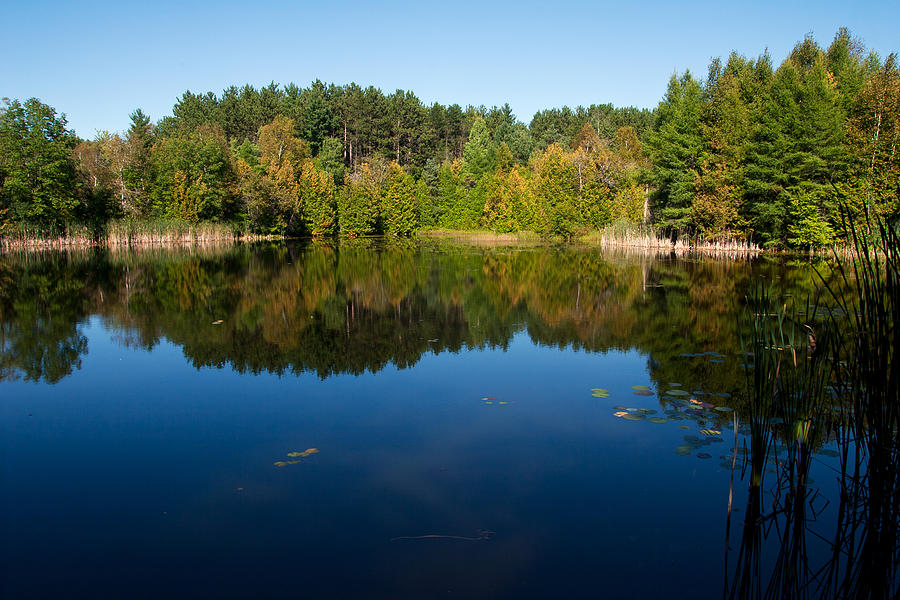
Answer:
[(796, 152), (399, 210), (675, 146), (136, 175), (480, 154)]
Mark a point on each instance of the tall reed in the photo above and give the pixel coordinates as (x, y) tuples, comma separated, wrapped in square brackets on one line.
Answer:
[(823, 374)]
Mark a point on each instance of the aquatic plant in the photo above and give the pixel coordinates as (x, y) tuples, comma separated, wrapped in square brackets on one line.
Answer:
[(820, 374)]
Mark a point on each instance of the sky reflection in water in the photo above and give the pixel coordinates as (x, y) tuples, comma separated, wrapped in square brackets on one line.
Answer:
[(145, 466)]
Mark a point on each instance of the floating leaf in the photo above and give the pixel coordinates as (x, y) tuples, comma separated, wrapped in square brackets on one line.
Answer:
[(724, 408), (677, 393), (621, 413), (646, 411), (292, 462), (672, 384), (683, 450), (710, 432), (503, 402), (295, 454), (312, 450), (218, 322), (488, 402), (280, 463), (600, 391), (620, 408), (634, 417), (658, 420), (642, 393), (683, 427), (641, 387), (703, 455)]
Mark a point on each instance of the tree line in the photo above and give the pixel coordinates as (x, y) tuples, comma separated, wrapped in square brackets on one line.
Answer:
[(751, 152)]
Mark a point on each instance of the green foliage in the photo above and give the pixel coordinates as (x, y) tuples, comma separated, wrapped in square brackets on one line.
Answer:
[(331, 158), (193, 176), (675, 146), (798, 147), (556, 187), (479, 156), (807, 226), (317, 190), (358, 205), (752, 152), (37, 174), (399, 206)]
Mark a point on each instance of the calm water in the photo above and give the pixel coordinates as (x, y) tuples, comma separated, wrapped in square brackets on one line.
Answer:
[(150, 401)]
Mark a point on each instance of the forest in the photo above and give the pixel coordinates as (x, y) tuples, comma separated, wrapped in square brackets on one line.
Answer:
[(751, 152)]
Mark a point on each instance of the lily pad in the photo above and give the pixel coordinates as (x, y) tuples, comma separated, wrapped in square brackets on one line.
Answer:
[(620, 408), (641, 387), (646, 411), (677, 393), (600, 391), (218, 322), (703, 455), (673, 384), (642, 393), (724, 408), (683, 450), (621, 413), (658, 420), (634, 417)]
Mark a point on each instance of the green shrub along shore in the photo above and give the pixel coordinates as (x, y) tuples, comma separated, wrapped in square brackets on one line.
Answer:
[(750, 155)]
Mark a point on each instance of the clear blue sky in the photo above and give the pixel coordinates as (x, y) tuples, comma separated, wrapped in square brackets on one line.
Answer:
[(97, 61)]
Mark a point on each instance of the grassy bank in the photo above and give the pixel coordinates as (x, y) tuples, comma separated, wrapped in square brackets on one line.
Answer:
[(120, 233)]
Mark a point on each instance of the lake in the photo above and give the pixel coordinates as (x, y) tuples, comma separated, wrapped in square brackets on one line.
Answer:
[(374, 420)]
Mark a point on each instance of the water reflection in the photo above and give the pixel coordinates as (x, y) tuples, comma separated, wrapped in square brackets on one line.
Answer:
[(360, 306)]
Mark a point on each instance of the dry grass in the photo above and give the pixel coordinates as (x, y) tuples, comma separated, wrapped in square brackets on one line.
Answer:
[(650, 240), (132, 233), (482, 238), (122, 233)]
